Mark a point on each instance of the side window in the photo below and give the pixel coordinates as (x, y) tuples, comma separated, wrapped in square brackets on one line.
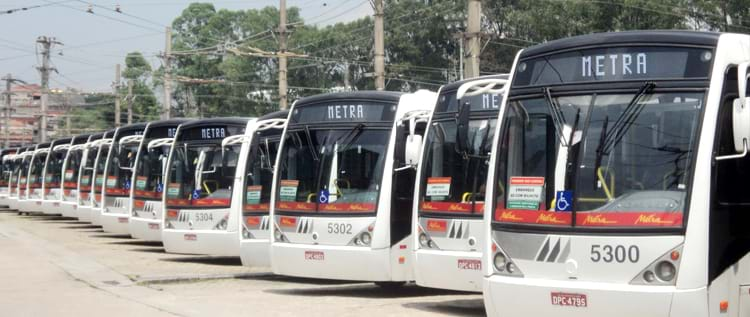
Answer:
[(729, 239)]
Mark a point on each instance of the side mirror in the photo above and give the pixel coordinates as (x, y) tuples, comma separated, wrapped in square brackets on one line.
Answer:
[(462, 128), (740, 116), (413, 147)]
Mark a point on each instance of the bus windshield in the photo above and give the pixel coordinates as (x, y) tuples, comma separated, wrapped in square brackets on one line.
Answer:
[(5, 171), (201, 175), (71, 169), (88, 170), (454, 182), (23, 171), (37, 168), (101, 164), (598, 160), (149, 179), (259, 175), (122, 157), (332, 170), (54, 169)]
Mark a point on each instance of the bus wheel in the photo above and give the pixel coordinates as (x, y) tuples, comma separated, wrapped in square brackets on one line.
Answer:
[(390, 285)]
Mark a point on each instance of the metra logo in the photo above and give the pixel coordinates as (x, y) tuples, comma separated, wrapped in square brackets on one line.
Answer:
[(597, 220), (346, 112), (509, 215), (652, 219), (549, 218), (613, 65), (213, 133), (437, 225)]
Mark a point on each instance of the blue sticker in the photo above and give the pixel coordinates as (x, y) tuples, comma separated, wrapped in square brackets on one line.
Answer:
[(196, 193), (323, 196), (564, 200), (159, 188), (127, 184)]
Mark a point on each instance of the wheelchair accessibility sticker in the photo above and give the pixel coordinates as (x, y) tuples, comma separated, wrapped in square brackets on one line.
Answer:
[(563, 200)]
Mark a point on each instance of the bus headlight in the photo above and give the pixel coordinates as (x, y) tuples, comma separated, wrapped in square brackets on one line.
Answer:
[(665, 271), (499, 261), (222, 225), (365, 238), (246, 234), (423, 240), (278, 236)]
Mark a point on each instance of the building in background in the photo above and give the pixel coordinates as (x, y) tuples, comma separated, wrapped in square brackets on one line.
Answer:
[(26, 104)]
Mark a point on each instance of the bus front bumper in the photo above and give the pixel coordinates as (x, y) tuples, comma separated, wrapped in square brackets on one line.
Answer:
[(95, 215), (68, 209), (51, 207), (26, 205), (116, 223), (83, 213), (255, 252), (332, 262), (145, 229), (204, 242), (512, 296), (453, 270)]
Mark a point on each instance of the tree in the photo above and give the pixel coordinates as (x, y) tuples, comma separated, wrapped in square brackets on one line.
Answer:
[(138, 71)]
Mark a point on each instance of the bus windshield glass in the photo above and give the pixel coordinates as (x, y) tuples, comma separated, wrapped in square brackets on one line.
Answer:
[(259, 175), (5, 171), (101, 164), (37, 168), (87, 175), (122, 157), (332, 170), (597, 160), (54, 169), (453, 181), (149, 179), (71, 169), (201, 175)]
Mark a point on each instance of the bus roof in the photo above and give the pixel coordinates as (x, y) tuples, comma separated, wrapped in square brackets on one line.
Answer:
[(110, 133), (61, 141), (613, 38), (80, 139), (96, 136), (215, 121), (168, 123), (44, 145), (283, 114), (388, 96), (454, 85), (129, 130)]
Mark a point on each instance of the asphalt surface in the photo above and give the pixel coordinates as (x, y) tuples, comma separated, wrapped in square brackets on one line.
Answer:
[(54, 266)]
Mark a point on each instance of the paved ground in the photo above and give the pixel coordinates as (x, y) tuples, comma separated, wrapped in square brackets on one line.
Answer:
[(62, 267)]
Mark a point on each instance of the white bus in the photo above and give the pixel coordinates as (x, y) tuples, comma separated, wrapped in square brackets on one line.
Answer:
[(118, 176), (617, 187), (32, 200), (452, 176), (253, 186), (199, 187), (6, 170), (344, 186), (92, 177), (86, 177), (71, 168), (146, 211), (20, 167), (52, 179)]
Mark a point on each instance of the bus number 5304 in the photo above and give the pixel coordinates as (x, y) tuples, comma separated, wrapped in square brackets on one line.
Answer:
[(618, 253)]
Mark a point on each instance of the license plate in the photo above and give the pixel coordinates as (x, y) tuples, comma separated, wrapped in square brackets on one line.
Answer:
[(569, 299), (56, 204), (466, 264), (315, 255), (38, 202), (153, 226), (122, 220), (190, 237)]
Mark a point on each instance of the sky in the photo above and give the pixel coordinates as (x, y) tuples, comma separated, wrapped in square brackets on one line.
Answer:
[(94, 43)]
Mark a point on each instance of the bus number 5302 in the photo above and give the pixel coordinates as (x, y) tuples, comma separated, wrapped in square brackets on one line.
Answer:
[(618, 253)]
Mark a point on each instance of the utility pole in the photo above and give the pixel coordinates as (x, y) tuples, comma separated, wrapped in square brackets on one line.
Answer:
[(117, 96), (473, 35), (46, 43), (8, 109), (167, 75), (379, 47), (283, 103), (130, 101)]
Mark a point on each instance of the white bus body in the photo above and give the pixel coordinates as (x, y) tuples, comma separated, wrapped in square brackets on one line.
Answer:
[(71, 168), (448, 211), (53, 174), (86, 177), (6, 170), (91, 178), (19, 168), (198, 195), (342, 201), (146, 209), (32, 200), (617, 187), (253, 187), (118, 176)]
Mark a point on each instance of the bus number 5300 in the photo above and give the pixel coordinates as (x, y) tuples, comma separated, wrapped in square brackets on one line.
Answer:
[(618, 253)]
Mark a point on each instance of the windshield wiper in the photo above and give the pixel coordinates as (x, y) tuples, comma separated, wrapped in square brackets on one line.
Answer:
[(310, 144), (558, 118), (349, 137)]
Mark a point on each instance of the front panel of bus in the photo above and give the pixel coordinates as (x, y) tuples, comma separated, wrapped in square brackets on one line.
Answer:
[(36, 175), (54, 174), (259, 172), (200, 179), (19, 173), (451, 193), (71, 168), (150, 173), (119, 173), (6, 172), (86, 173), (592, 179), (100, 164)]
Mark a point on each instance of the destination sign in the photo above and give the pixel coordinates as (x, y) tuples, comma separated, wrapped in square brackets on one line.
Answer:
[(615, 64), (162, 132), (123, 134), (447, 102), (345, 111), (211, 132)]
